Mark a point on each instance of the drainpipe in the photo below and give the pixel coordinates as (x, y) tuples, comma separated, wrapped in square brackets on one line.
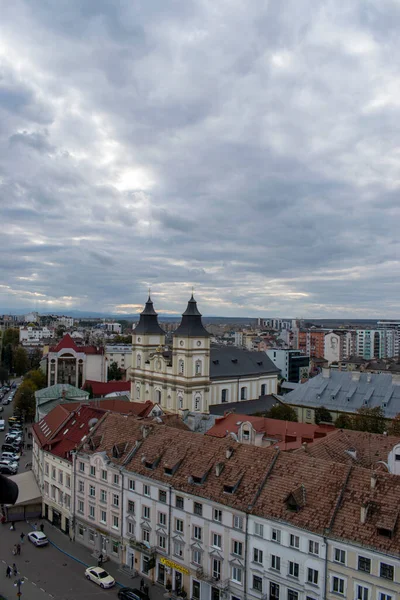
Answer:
[(73, 453), (169, 520), (326, 567), (120, 517), (246, 553)]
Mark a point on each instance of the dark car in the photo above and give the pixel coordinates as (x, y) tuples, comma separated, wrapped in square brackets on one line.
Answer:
[(127, 593), (7, 470), (10, 448)]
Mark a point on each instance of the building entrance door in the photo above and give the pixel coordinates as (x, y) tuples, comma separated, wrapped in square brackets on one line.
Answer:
[(178, 581)]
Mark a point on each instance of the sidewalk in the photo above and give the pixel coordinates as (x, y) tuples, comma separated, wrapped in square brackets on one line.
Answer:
[(82, 555)]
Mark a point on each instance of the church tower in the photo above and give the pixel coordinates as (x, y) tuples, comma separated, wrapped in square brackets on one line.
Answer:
[(191, 361), (147, 337)]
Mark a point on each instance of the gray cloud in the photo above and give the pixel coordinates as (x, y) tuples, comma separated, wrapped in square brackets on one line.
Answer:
[(252, 154)]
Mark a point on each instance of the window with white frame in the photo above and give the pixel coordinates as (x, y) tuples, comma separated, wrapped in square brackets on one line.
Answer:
[(146, 512), (274, 591), (386, 571), (103, 516), (257, 556), (217, 540), (46, 487), (115, 547), (197, 532), (60, 477), (115, 500), (131, 528), (162, 542), (179, 502), (104, 475), (276, 535), (116, 479), (198, 508), (237, 522), (68, 481), (384, 596), (294, 541), (258, 529), (364, 564), (131, 485), (237, 548), (275, 562), (92, 471), (312, 576), (46, 468), (257, 583), (162, 496), (243, 393), (216, 568), (115, 522), (292, 595), (198, 367), (81, 466), (103, 496), (338, 585), (53, 473), (92, 491), (81, 506), (179, 525), (145, 535), (339, 556), (224, 395), (180, 402), (196, 557), (237, 574), (313, 547), (81, 486), (293, 569), (217, 515), (91, 511), (178, 549), (91, 536), (362, 592), (162, 519), (146, 490)]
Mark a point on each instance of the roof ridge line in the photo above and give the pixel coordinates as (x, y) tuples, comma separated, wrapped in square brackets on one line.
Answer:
[(339, 500), (264, 480)]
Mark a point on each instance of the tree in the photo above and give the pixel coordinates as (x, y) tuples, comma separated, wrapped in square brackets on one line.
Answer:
[(283, 412), (7, 356), (21, 361), (394, 428), (37, 378), (370, 419), (25, 402), (35, 358), (61, 329), (11, 336), (4, 375), (114, 373), (322, 414), (344, 422)]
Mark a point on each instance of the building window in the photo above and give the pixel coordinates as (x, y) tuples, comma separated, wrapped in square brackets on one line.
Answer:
[(103, 496), (81, 530), (146, 490), (46, 487), (115, 547), (53, 473), (237, 548), (179, 502), (263, 389), (92, 491), (91, 536), (131, 528), (67, 499), (162, 496), (275, 562), (81, 506), (162, 518), (146, 512), (92, 471), (197, 403), (46, 468), (197, 532), (103, 516), (196, 557), (362, 593), (293, 569), (312, 576), (237, 522), (273, 591), (216, 568), (115, 500), (178, 549), (259, 529), (217, 515), (292, 595), (180, 402), (340, 556), (60, 477), (276, 535), (198, 367), (91, 511), (224, 395), (115, 522), (198, 508), (104, 475), (257, 556), (386, 571), (383, 596), (145, 536), (131, 507), (364, 564), (294, 541), (338, 585), (257, 583), (162, 542), (138, 361), (243, 393), (181, 367), (313, 547), (237, 574), (131, 485), (217, 540), (81, 487), (81, 466), (68, 481), (195, 590), (116, 479), (179, 525)]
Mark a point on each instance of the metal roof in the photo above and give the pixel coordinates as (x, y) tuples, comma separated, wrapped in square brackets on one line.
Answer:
[(148, 322), (191, 324), (229, 361)]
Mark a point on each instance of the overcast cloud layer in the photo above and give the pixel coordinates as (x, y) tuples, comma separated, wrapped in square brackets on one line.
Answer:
[(250, 150)]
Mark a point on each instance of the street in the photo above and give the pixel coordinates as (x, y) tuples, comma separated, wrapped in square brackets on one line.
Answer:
[(25, 460)]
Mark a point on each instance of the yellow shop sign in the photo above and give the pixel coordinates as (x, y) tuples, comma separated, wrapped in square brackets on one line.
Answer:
[(173, 565)]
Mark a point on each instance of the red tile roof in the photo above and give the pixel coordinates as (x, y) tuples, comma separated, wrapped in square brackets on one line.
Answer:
[(288, 435), (49, 425), (101, 388), (139, 409), (74, 430), (68, 343)]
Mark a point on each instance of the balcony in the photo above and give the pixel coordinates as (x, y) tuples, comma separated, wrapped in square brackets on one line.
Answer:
[(141, 546), (223, 585)]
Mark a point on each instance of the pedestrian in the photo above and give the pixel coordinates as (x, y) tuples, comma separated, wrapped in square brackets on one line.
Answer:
[(8, 571), (142, 584), (14, 551), (12, 528), (41, 527), (100, 560), (21, 537), (18, 549), (146, 590), (15, 569)]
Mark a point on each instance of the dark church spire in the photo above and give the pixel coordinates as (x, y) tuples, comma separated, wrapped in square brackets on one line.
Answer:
[(191, 324), (148, 322)]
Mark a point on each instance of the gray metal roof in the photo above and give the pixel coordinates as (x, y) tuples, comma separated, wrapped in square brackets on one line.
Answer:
[(348, 391), (148, 322), (229, 361), (245, 407), (191, 324)]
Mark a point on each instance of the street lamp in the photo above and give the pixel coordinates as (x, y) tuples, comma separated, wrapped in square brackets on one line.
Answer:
[(18, 583)]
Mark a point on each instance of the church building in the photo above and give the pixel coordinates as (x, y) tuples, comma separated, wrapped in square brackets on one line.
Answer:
[(191, 374)]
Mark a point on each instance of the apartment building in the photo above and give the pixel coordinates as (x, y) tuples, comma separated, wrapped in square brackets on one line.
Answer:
[(121, 354)]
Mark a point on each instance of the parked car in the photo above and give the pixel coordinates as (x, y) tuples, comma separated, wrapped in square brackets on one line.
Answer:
[(38, 538), (1, 408), (8, 470), (10, 448), (10, 455), (127, 593), (99, 576), (2, 425), (6, 462)]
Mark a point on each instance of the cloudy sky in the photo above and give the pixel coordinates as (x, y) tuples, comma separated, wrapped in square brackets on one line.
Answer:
[(250, 150)]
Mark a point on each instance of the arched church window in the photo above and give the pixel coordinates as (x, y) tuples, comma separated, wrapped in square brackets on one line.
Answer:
[(243, 393), (198, 367), (158, 396)]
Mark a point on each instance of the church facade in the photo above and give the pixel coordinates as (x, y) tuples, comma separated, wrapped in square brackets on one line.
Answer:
[(191, 374)]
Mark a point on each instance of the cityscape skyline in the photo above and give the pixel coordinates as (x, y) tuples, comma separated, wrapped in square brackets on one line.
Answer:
[(250, 154)]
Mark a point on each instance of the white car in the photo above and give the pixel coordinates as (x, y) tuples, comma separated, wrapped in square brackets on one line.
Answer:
[(99, 576), (7, 462), (38, 538)]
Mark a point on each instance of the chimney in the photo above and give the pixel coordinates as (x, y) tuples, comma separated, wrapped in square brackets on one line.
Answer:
[(374, 480), (219, 467), (325, 373), (364, 513), (355, 375), (145, 431), (304, 446), (229, 452)]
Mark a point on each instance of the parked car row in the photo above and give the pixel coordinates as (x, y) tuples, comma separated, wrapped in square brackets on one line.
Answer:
[(11, 448)]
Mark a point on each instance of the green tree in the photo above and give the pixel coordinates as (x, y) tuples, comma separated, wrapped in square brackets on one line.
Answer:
[(35, 358), (283, 412), (369, 419), (4, 375), (25, 402), (344, 422), (114, 373), (60, 330), (11, 336), (7, 356), (21, 361), (394, 428), (322, 414), (37, 378)]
